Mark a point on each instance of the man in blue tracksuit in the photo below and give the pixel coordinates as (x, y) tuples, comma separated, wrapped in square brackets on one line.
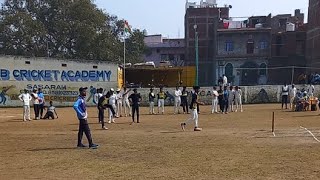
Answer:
[(81, 110)]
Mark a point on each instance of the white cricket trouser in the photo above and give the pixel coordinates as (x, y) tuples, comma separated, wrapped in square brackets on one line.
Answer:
[(194, 117), (26, 112), (291, 102), (238, 102), (177, 104), (119, 108), (214, 106), (161, 104), (151, 107), (110, 112), (126, 106), (230, 101)]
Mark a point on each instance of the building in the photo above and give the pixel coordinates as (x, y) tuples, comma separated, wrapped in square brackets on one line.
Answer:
[(162, 49), (288, 57), (262, 49), (240, 50), (279, 23), (203, 20), (313, 34)]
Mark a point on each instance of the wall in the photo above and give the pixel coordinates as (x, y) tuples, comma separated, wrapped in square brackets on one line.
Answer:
[(237, 64), (313, 34), (239, 40), (207, 21), (238, 56), (251, 94), (60, 84)]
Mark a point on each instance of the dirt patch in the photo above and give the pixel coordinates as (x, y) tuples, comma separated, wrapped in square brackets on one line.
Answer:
[(232, 146)]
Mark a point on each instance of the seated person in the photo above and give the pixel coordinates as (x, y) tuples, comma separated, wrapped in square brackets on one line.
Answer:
[(305, 101), (50, 110)]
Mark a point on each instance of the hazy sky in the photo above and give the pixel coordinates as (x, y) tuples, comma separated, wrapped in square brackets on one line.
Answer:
[(167, 16)]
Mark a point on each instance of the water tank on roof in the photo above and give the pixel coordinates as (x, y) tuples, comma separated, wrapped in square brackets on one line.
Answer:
[(212, 2), (290, 27), (258, 26)]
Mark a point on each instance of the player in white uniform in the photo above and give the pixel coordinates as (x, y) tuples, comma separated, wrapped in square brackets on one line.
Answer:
[(97, 96), (215, 95), (231, 99), (152, 97), (177, 100), (310, 90), (126, 103), (194, 113), (26, 98), (112, 102), (238, 98), (285, 94), (293, 93), (225, 81), (119, 99)]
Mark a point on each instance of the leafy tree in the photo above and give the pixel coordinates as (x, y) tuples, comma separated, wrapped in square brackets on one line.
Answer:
[(73, 29)]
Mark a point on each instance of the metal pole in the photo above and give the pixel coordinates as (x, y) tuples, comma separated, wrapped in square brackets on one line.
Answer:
[(124, 61), (292, 76), (48, 53), (197, 58), (273, 122)]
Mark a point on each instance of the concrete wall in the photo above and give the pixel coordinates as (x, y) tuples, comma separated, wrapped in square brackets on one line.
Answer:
[(59, 79), (251, 94), (239, 40), (237, 64)]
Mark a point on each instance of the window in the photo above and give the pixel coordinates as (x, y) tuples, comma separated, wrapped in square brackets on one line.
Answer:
[(300, 48), (95, 67), (283, 22), (182, 57), (64, 65), (278, 45), (263, 44), (27, 62), (263, 69), (229, 70), (158, 50), (164, 57), (229, 46), (171, 57), (250, 47)]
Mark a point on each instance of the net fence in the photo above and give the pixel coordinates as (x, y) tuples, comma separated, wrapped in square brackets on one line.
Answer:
[(275, 76)]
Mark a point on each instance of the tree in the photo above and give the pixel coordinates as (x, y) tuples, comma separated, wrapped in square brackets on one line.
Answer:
[(73, 29), (134, 46)]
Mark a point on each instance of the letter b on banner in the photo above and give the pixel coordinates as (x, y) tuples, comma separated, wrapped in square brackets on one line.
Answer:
[(4, 75)]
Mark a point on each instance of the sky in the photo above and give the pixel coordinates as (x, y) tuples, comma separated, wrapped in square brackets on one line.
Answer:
[(166, 17)]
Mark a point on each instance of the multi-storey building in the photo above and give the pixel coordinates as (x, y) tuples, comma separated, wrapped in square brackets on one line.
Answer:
[(313, 34), (163, 49), (203, 21)]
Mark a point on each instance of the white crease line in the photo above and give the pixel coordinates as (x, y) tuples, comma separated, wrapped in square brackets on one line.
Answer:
[(274, 135), (310, 133)]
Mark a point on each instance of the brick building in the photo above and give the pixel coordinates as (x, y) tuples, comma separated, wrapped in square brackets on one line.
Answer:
[(313, 34), (288, 52), (241, 49), (163, 49), (279, 22), (206, 17)]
